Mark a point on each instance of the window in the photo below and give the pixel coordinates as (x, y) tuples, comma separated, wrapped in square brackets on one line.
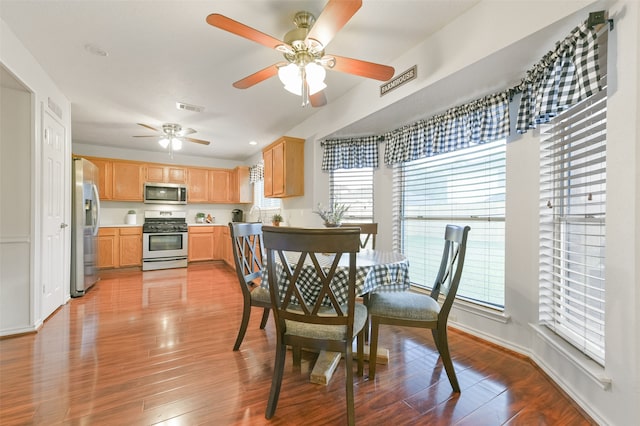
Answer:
[(266, 206), (464, 187), (572, 222), (354, 187)]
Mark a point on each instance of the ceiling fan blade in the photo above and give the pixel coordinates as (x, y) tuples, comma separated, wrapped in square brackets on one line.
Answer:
[(333, 17), (363, 68), (237, 28), (318, 99), (200, 141), (257, 77), (151, 136), (148, 127)]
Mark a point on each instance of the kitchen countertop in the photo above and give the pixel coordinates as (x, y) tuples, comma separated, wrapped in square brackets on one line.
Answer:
[(207, 224), (118, 225)]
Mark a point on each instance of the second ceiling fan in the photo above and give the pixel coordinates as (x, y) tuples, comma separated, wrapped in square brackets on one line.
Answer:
[(303, 48)]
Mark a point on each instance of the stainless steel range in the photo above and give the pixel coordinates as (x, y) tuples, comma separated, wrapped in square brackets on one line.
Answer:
[(164, 239)]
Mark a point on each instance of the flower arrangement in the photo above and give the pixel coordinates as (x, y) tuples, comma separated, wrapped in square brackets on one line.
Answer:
[(333, 215)]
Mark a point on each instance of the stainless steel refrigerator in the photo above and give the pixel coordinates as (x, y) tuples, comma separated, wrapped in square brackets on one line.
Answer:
[(85, 218)]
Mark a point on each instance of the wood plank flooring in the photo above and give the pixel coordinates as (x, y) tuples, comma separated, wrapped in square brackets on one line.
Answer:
[(156, 348)]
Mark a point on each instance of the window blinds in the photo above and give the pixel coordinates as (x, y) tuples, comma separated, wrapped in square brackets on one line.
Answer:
[(572, 221), (354, 187), (465, 187)]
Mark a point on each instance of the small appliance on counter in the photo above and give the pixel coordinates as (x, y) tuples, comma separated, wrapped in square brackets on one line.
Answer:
[(237, 215)]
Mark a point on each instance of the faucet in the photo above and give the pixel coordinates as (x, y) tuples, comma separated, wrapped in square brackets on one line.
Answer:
[(256, 207)]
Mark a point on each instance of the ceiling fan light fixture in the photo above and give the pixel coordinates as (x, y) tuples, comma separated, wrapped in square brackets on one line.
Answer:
[(291, 77), (176, 144), (164, 142)]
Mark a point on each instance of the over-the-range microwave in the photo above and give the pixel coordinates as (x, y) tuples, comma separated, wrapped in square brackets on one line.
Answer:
[(165, 193)]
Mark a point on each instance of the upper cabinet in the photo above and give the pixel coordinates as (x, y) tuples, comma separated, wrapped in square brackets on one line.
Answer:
[(198, 189), (105, 177), (128, 178), (121, 180), (284, 168), (165, 174)]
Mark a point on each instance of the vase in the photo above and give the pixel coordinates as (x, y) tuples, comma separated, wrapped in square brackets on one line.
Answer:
[(332, 224)]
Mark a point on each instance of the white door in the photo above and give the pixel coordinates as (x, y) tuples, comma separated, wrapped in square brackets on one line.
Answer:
[(53, 212)]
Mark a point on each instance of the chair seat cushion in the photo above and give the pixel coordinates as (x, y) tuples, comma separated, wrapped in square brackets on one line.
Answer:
[(404, 305), (261, 294), (328, 332)]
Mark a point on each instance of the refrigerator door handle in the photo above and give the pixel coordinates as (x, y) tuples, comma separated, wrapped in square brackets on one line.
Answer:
[(97, 223)]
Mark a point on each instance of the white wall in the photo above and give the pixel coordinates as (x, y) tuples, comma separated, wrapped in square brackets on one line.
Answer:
[(25, 312), (587, 383)]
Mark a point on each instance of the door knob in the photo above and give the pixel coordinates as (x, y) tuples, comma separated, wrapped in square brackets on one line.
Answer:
[(63, 225)]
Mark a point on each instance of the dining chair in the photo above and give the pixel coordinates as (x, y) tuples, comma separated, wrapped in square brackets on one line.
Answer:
[(426, 311), (368, 231), (318, 321), (248, 249)]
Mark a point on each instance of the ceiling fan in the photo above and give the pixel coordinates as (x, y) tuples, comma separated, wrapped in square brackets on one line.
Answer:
[(303, 72), (172, 135)]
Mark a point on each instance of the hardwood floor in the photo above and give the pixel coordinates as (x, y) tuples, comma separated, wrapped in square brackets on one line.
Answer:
[(156, 348)]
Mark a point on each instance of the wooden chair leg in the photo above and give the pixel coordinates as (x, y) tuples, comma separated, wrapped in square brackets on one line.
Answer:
[(351, 412), (297, 356), (365, 301), (373, 347), (443, 348), (265, 317), (246, 314), (360, 349), (276, 381)]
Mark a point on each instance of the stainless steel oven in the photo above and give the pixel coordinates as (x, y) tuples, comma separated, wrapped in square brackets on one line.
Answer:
[(164, 239)]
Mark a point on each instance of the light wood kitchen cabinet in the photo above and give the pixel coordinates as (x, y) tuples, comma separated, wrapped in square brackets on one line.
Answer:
[(128, 178), (220, 186), (201, 243), (243, 192), (165, 174), (218, 242), (198, 186), (283, 168), (119, 247), (130, 246), (105, 177), (108, 246), (227, 250)]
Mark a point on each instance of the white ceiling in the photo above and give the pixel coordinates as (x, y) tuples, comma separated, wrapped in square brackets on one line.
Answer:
[(163, 52)]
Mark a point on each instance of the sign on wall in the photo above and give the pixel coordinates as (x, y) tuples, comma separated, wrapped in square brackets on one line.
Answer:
[(398, 81)]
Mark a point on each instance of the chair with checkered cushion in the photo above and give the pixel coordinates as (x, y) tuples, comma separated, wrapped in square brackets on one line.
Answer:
[(319, 321), (248, 249), (426, 311)]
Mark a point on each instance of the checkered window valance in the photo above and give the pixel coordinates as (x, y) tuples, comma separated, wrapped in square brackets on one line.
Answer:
[(480, 121), (256, 173), (351, 153), (564, 76)]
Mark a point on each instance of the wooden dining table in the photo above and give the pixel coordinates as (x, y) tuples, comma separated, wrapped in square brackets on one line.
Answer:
[(376, 271)]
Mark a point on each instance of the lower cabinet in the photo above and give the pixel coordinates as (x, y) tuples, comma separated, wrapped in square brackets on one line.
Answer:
[(201, 243), (119, 247), (210, 243)]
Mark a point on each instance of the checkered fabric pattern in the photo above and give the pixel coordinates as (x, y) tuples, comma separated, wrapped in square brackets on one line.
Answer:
[(351, 153), (482, 120), (563, 77), (256, 173), (376, 271)]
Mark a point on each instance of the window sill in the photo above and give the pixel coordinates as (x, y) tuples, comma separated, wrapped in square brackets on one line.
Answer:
[(590, 368)]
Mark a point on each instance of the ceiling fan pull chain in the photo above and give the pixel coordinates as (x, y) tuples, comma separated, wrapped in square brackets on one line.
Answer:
[(305, 86)]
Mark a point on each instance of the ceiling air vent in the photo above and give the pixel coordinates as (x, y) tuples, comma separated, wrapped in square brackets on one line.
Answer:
[(189, 107)]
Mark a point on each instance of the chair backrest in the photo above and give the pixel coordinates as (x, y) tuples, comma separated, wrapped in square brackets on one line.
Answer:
[(248, 250), (450, 271), (298, 256), (368, 232)]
